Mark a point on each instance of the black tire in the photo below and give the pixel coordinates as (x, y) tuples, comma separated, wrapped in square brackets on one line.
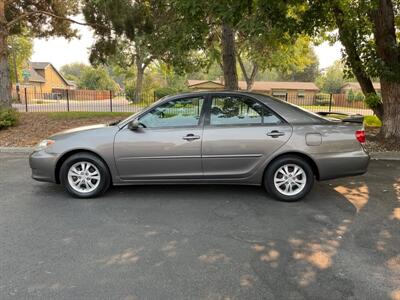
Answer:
[(105, 178), (278, 163)]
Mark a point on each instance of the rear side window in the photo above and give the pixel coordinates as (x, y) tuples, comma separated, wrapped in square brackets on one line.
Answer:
[(232, 110)]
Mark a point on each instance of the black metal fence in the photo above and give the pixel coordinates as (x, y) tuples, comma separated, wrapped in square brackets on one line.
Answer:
[(107, 101), (79, 100)]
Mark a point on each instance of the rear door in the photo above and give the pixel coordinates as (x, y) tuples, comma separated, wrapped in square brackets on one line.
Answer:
[(239, 133)]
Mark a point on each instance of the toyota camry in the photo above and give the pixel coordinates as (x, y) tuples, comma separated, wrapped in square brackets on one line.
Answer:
[(207, 138)]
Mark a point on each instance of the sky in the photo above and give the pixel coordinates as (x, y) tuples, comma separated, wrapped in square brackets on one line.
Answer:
[(59, 51)]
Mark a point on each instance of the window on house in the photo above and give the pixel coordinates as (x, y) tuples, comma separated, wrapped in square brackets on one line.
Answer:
[(300, 94), (281, 94)]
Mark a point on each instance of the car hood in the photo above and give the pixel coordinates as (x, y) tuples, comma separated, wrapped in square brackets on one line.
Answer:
[(79, 129)]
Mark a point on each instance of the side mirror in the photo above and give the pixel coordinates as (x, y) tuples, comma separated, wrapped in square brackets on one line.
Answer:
[(134, 125)]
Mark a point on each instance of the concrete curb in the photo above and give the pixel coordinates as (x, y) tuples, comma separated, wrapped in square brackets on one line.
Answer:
[(390, 155), (374, 155)]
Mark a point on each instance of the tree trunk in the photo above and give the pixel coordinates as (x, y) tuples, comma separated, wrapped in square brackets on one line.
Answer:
[(229, 58), (5, 83), (391, 103), (388, 51), (347, 38), (139, 82)]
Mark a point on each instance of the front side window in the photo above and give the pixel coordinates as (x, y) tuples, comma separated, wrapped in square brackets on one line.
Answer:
[(175, 113), (228, 110)]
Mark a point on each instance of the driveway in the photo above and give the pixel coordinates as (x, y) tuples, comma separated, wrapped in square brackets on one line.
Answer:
[(200, 242)]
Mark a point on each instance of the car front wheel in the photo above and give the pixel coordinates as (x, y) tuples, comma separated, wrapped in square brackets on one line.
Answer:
[(84, 175), (289, 178)]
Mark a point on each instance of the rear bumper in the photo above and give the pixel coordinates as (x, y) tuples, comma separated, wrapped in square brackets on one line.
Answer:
[(43, 166), (336, 165)]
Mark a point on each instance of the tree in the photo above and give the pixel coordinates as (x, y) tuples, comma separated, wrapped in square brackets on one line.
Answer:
[(20, 52), (242, 31), (289, 57), (332, 80), (367, 30), (73, 71), (306, 69), (96, 79), (212, 72), (41, 18), (214, 25), (137, 33)]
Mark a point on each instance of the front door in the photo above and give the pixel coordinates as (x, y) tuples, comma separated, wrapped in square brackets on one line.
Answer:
[(239, 134), (167, 146)]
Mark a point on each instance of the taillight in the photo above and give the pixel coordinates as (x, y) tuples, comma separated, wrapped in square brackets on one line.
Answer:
[(360, 136)]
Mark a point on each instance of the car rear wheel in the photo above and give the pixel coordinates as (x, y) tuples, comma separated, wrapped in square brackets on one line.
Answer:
[(84, 175), (289, 178)]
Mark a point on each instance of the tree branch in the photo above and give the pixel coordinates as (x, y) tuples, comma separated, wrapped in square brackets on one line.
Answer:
[(147, 61), (242, 67), (42, 12), (254, 72)]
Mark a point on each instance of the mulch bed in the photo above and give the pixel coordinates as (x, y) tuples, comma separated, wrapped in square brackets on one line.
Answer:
[(375, 143), (34, 127)]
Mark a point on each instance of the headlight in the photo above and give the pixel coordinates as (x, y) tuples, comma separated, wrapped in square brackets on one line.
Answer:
[(44, 144)]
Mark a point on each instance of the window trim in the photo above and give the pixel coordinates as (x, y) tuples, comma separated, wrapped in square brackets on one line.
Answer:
[(207, 117), (279, 92), (200, 122)]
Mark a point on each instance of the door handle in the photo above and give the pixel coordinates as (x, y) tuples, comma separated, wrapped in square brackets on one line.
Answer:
[(191, 137), (275, 133)]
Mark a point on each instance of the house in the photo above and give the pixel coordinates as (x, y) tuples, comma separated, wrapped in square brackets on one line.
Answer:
[(280, 89), (43, 77), (355, 87)]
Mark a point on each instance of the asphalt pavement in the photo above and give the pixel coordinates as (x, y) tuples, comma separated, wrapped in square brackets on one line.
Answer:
[(200, 242)]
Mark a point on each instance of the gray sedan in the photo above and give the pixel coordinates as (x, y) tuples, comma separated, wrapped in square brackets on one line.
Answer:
[(209, 137)]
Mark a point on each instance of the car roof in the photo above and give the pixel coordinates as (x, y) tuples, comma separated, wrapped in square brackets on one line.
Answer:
[(290, 112)]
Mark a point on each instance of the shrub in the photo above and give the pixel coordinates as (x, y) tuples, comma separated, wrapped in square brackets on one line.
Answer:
[(8, 118), (354, 97), (373, 100), (372, 121)]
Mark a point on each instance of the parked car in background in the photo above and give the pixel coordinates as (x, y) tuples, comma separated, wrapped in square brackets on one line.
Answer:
[(206, 137)]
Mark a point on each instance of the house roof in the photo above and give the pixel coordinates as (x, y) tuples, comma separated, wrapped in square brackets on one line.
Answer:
[(280, 85), (35, 77), (39, 65), (263, 85), (356, 85)]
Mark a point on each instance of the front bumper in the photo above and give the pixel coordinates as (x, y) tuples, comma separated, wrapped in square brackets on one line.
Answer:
[(43, 165)]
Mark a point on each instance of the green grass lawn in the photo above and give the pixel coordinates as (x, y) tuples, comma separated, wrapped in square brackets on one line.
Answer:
[(72, 115)]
